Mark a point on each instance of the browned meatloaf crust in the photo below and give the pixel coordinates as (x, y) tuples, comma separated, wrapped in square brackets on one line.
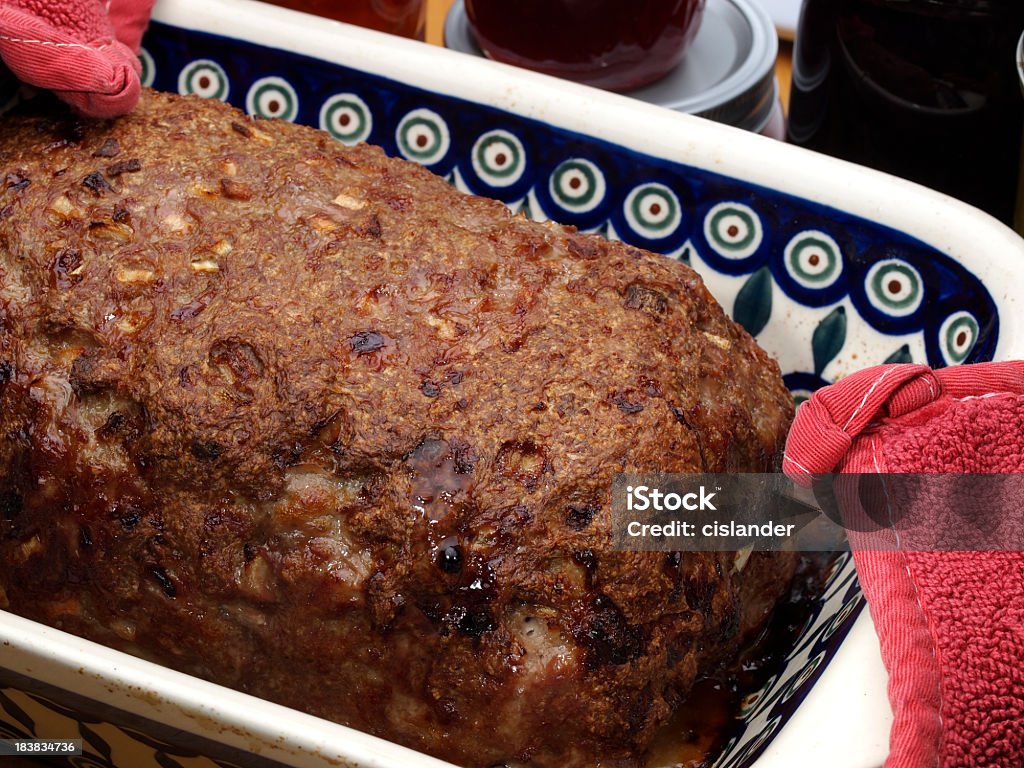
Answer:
[(306, 421)]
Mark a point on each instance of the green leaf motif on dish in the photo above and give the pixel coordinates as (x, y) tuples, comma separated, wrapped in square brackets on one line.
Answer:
[(828, 338), (17, 713), (96, 742), (753, 307), (901, 355), (525, 208)]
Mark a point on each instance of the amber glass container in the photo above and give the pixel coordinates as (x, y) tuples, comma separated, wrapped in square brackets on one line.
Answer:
[(924, 89), (399, 17)]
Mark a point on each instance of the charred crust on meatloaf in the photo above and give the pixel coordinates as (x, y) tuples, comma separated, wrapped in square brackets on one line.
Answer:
[(314, 408)]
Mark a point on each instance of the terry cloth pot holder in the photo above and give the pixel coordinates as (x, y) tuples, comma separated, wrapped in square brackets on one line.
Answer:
[(82, 50), (950, 623)]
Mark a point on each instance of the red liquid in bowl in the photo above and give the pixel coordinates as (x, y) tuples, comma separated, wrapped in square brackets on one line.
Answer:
[(613, 44)]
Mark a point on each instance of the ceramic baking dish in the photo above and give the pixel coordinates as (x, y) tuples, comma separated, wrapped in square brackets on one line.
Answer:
[(831, 266)]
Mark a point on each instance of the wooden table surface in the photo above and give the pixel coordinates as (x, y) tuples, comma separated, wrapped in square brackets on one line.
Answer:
[(438, 9)]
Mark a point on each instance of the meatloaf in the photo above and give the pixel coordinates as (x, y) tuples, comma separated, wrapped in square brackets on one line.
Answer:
[(308, 422)]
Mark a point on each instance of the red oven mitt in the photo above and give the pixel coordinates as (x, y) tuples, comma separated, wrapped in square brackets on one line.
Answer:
[(83, 50), (950, 623)]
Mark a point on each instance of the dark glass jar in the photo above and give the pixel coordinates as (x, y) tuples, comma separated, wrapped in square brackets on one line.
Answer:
[(923, 89)]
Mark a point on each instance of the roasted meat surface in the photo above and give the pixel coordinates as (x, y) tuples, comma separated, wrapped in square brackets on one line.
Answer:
[(306, 421)]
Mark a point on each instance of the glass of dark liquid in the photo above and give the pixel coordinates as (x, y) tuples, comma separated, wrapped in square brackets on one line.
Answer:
[(613, 44), (923, 89)]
